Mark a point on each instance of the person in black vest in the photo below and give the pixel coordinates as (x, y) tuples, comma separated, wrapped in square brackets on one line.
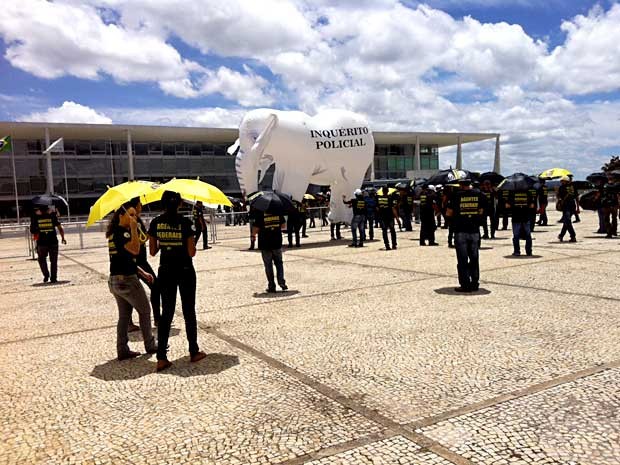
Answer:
[(43, 227), (522, 203), (200, 225), (567, 204), (609, 204), (124, 246), (428, 208), (533, 193), (294, 224), (269, 227), (543, 202), (489, 209), (465, 210), (386, 212), (174, 236), (501, 211), (407, 204), (358, 204)]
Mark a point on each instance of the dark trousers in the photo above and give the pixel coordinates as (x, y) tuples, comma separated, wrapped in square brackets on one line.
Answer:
[(517, 228), (427, 229), (542, 218), (273, 258), (468, 265), (303, 227), (610, 216), (154, 288), (312, 221), (371, 226), (407, 220), (567, 224), (503, 214), (532, 220), (334, 228), (205, 237), (387, 223), (293, 227), (489, 217), (183, 279), (451, 234), (42, 252)]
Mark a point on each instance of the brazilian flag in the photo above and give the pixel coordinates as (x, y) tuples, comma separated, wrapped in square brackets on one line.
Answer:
[(5, 144)]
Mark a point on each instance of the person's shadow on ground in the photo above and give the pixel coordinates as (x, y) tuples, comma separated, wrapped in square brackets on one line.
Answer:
[(275, 295), (136, 336), (451, 291), (113, 370), (48, 284)]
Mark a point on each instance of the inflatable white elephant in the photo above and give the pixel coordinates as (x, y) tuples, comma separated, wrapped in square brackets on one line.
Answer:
[(333, 148)]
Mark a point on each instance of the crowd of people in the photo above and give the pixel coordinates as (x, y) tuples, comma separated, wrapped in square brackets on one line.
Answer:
[(464, 208)]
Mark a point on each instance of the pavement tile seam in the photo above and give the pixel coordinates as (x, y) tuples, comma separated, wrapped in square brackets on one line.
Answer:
[(339, 448), (424, 442), (524, 392)]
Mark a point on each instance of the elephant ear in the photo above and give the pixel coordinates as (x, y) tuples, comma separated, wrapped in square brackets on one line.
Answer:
[(265, 136)]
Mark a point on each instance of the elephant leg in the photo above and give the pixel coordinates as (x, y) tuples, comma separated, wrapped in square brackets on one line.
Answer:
[(293, 182)]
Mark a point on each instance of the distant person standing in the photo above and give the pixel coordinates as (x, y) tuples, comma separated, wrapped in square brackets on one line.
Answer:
[(543, 202), (407, 205), (428, 208), (43, 227), (173, 234), (358, 204), (465, 210), (522, 204), (567, 204), (371, 210), (269, 227), (200, 225), (489, 209), (609, 204), (386, 212), (294, 224)]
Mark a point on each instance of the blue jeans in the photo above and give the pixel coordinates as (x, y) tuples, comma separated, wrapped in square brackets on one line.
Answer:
[(468, 267), (517, 227), (270, 258), (568, 224), (358, 223)]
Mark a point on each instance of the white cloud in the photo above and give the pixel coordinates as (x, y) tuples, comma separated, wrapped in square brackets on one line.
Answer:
[(68, 112)]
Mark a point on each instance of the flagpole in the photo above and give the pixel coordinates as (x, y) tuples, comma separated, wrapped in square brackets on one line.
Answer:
[(15, 179), (64, 164)]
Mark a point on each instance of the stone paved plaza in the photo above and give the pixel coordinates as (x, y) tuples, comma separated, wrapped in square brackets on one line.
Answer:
[(369, 358)]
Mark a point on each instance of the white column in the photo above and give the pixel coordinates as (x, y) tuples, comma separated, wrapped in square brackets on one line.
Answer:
[(15, 178), (48, 156), (416, 156), (497, 161), (459, 153), (130, 156)]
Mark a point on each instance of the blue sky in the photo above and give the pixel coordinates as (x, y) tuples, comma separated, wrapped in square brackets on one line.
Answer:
[(553, 91)]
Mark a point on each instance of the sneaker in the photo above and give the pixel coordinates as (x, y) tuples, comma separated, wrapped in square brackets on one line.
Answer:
[(305, 235), (128, 355), (133, 328), (451, 246), (394, 247), (422, 244), (387, 247), (163, 364), (198, 356)]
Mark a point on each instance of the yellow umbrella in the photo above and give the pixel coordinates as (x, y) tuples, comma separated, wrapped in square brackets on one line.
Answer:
[(116, 196), (554, 173), (190, 189), (309, 197)]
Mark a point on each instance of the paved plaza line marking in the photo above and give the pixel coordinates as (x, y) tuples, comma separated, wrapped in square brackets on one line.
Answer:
[(339, 448), (526, 391), (102, 275), (67, 333), (426, 443)]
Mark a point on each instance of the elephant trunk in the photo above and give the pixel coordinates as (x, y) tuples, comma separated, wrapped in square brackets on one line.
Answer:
[(246, 165)]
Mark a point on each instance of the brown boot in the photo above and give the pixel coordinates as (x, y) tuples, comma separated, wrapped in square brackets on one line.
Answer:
[(198, 356), (163, 364)]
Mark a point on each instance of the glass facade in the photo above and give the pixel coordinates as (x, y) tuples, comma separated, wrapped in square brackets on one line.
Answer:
[(392, 161)]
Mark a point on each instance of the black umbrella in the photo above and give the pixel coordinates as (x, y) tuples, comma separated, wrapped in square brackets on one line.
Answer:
[(589, 201), (615, 173), (518, 182), (401, 185), (272, 202), (492, 176), (597, 178), (49, 200), (449, 176)]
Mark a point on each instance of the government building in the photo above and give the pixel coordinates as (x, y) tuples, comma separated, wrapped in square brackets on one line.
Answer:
[(100, 155)]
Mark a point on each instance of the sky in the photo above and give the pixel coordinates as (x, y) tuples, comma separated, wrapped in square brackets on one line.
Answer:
[(545, 75)]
